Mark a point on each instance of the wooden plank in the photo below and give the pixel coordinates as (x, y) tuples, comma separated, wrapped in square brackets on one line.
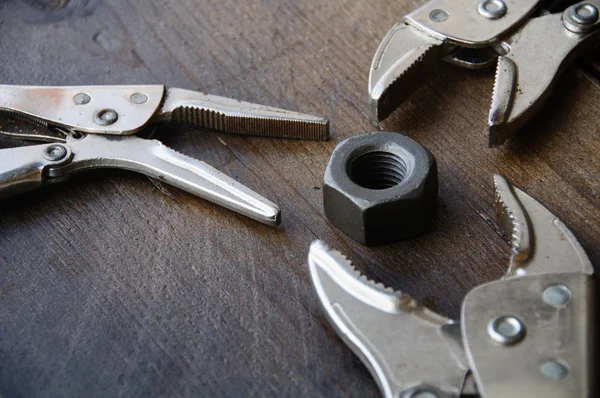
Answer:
[(115, 285)]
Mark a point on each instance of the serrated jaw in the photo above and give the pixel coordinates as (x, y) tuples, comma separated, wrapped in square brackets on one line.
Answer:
[(500, 125), (334, 275), (513, 220), (239, 117), (404, 59), (394, 337), (541, 243)]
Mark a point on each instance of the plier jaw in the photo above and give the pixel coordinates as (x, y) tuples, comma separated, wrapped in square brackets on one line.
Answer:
[(95, 127), (531, 53), (404, 60), (528, 334)]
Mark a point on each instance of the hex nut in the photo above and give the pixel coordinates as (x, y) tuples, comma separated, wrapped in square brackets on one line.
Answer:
[(380, 187)]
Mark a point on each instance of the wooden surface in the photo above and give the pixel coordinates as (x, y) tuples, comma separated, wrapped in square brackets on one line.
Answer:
[(116, 285)]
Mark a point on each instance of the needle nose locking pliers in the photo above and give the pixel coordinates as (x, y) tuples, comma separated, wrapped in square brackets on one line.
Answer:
[(526, 335), (92, 127), (530, 53)]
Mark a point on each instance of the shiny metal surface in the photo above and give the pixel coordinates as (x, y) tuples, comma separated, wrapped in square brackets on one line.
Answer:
[(531, 54), (546, 261), (492, 9), (23, 169), (239, 117), (67, 107), (581, 16), (152, 158), (541, 243), (375, 321), (506, 330), (404, 59), (561, 333), (527, 334), (465, 25), (55, 152), (538, 54), (96, 125)]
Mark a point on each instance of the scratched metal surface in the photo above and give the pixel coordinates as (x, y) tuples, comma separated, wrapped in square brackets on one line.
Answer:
[(115, 285)]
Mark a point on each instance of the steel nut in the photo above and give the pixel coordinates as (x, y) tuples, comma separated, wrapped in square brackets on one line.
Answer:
[(380, 188)]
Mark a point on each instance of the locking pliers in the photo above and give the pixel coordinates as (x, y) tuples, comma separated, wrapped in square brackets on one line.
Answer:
[(528, 334), (530, 53), (91, 127)]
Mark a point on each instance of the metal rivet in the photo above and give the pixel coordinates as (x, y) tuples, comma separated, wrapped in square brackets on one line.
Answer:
[(554, 370), (106, 117), (584, 14), (82, 98), (138, 98), (438, 15), (424, 394), (492, 9), (55, 152), (557, 295), (421, 392), (506, 330)]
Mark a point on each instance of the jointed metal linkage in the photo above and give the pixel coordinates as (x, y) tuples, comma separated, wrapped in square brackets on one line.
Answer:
[(530, 53), (526, 335), (93, 127)]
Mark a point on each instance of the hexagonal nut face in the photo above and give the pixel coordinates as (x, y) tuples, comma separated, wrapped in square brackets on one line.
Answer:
[(380, 188)]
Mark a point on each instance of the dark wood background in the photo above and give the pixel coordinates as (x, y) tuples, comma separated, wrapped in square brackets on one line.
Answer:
[(115, 285)]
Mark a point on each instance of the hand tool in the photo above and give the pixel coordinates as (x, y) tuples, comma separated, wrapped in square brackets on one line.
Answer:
[(92, 127), (528, 334), (531, 53), (380, 187)]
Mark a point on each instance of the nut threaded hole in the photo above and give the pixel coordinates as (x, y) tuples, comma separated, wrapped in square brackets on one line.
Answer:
[(378, 170)]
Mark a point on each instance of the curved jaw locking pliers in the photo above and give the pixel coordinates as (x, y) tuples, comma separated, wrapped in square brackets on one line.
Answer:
[(531, 53), (94, 127), (528, 334)]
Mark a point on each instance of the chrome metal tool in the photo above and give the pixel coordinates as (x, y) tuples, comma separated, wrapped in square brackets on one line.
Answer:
[(92, 127), (530, 53), (528, 334)]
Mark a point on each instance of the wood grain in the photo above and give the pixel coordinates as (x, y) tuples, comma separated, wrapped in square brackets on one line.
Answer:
[(116, 285)]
